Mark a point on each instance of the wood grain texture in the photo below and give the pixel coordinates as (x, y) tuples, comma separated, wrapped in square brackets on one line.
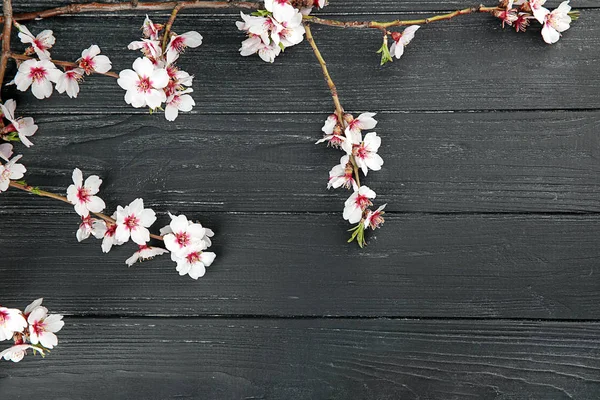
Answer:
[(495, 266), (467, 64), (313, 359), (457, 162)]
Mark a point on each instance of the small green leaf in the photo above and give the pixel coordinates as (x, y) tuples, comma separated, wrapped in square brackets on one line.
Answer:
[(36, 190), (12, 137), (261, 13), (574, 15), (21, 182), (385, 54), (358, 234)]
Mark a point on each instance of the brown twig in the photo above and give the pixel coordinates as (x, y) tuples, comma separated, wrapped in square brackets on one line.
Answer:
[(22, 57), (7, 11), (55, 196), (170, 25)]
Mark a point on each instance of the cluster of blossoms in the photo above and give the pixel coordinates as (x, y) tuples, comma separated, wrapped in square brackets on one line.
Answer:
[(274, 29), (155, 79), (519, 13), (185, 240), (360, 153), (32, 329), (40, 73)]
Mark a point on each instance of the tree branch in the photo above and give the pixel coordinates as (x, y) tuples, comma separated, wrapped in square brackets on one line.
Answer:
[(7, 11)]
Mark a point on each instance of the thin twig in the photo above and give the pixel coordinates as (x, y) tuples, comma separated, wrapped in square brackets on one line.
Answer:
[(7, 11), (55, 196), (22, 57), (169, 25)]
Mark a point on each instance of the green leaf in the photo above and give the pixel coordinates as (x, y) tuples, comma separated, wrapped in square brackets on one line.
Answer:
[(281, 45), (385, 54), (21, 182), (358, 234), (261, 13), (12, 137), (574, 15), (36, 190)]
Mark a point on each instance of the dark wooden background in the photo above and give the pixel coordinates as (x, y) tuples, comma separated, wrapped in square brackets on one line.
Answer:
[(483, 283)]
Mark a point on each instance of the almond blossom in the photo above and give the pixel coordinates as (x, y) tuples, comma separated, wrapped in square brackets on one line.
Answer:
[(24, 126), (83, 195), (342, 175), (11, 321), (42, 327), (92, 61), (282, 9), (69, 82), (40, 43), (357, 203), (39, 75), (133, 221), (17, 352), (356, 125), (86, 228), (144, 252), (150, 29), (291, 32), (150, 48), (365, 153), (555, 22), (194, 262), (179, 101), (183, 235), (106, 232), (401, 40), (11, 171), (178, 43), (144, 83), (538, 11), (332, 132), (374, 219), (6, 151)]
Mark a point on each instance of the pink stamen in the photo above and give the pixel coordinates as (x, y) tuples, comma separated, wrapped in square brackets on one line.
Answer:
[(37, 74), (131, 222), (144, 84)]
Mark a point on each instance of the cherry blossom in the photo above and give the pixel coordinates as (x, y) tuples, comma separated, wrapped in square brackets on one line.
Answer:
[(11, 321), (555, 22), (332, 132), (83, 195), (133, 221), (178, 43), (18, 351), (145, 252), (357, 203), (366, 155), (6, 151), (374, 219), (143, 84), (342, 175), (522, 22), (282, 9), (401, 40), (106, 232), (92, 61), (291, 32), (268, 52), (42, 327), (39, 75), (32, 306), (356, 125), (194, 262), (150, 48), (24, 126), (11, 171), (86, 228), (179, 101), (257, 26), (539, 12), (150, 29), (40, 43), (69, 82), (183, 235)]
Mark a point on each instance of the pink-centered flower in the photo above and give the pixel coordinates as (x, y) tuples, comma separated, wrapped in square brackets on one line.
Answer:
[(83, 195), (150, 48), (11, 171), (365, 153), (194, 262), (150, 29), (538, 10), (342, 175), (178, 44), (291, 31), (144, 252), (42, 327), (374, 219), (133, 221), (92, 61), (85, 229), (143, 84), (356, 125), (263, 27), (184, 235), (179, 101), (106, 232), (24, 126), (17, 352), (39, 75), (11, 321), (69, 82), (282, 9), (555, 22), (40, 43), (357, 203), (401, 40)]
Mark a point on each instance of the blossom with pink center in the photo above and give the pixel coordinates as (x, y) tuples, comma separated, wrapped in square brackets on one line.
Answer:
[(556, 22), (145, 252), (69, 82), (178, 80), (251, 45), (539, 12), (11, 321), (194, 262), (282, 9), (143, 84), (92, 61), (39, 75), (342, 175), (356, 125), (24, 126), (151, 29), (40, 43), (263, 27), (401, 40), (42, 327), (86, 228), (332, 133), (178, 44), (150, 48), (374, 219), (291, 32), (522, 22), (106, 232), (268, 53), (365, 153), (133, 221), (357, 203), (11, 171), (184, 235), (179, 101), (32, 306), (6, 151), (82, 195), (17, 352)]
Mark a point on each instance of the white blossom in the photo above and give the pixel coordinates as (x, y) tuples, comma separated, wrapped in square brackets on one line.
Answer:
[(194, 262), (83, 195), (11, 171), (42, 327), (356, 125), (144, 252), (106, 232), (342, 175), (366, 155), (69, 82), (357, 203), (39, 75), (400, 41), (282, 9), (143, 84), (179, 101), (40, 43), (151, 29), (11, 321), (183, 235), (86, 228), (150, 48), (539, 12), (374, 219), (92, 61), (133, 221), (178, 43), (555, 22), (6, 151), (24, 126), (17, 352)]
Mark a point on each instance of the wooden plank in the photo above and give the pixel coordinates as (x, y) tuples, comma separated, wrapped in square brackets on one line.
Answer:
[(500, 266), (468, 64), (457, 162), (316, 359)]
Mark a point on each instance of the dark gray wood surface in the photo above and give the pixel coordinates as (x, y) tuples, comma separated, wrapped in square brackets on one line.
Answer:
[(483, 283)]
